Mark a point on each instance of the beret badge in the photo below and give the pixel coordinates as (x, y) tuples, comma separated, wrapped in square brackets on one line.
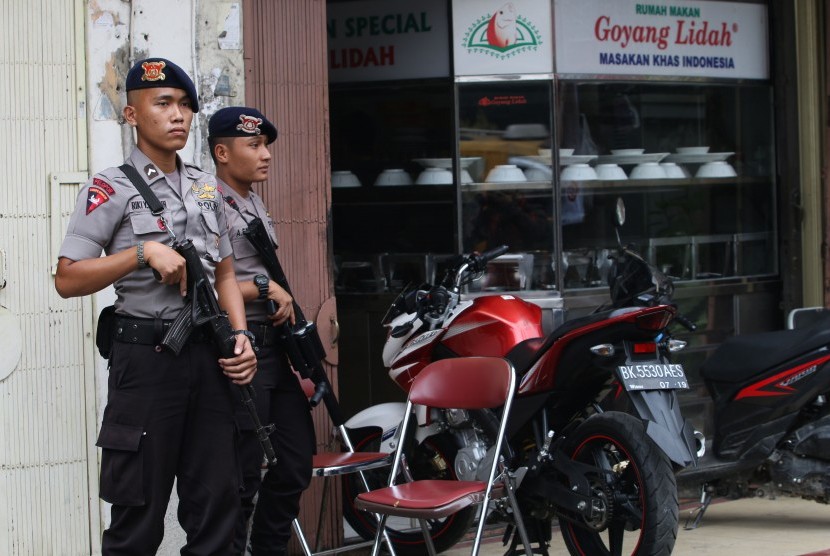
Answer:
[(249, 124), (153, 71)]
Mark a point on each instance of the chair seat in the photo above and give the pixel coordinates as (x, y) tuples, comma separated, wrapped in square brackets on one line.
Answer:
[(425, 499), (339, 463)]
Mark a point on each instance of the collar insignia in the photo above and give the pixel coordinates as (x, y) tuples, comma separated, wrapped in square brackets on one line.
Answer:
[(151, 172), (153, 71), (249, 124)]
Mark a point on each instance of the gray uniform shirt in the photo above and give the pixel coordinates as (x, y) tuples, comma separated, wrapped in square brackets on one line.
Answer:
[(246, 262), (111, 215)]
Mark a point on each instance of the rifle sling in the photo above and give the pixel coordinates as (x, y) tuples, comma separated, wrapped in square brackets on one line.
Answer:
[(149, 197), (279, 275)]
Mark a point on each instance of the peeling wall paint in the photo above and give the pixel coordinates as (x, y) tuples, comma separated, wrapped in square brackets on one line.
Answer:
[(221, 70)]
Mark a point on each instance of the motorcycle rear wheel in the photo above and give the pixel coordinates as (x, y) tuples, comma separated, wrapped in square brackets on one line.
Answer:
[(642, 509), (433, 459)]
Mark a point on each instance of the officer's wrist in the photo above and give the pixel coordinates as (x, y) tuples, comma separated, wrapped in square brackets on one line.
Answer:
[(141, 256), (247, 333)]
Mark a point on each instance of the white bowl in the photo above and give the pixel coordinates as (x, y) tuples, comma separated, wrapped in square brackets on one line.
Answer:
[(538, 174), (505, 173), (719, 169), (434, 176), (466, 177), (578, 172), (692, 150), (464, 162), (610, 172), (625, 152), (545, 152), (393, 176), (565, 152), (344, 178), (674, 170), (648, 171)]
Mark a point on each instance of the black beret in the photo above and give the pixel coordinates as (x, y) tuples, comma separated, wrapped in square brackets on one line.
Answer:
[(158, 72), (240, 121)]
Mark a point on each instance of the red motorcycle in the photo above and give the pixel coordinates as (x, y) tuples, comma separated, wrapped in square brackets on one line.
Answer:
[(607, 476)]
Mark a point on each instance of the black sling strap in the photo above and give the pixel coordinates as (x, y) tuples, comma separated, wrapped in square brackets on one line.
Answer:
[(155, 205)]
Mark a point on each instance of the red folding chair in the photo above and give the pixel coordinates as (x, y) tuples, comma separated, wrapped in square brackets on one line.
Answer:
[(333, 464), (462, 383)]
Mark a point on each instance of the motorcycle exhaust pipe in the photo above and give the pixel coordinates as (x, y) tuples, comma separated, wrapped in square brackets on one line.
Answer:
[(700, 443)]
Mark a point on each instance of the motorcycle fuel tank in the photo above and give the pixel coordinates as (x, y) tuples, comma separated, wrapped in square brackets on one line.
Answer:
[(493, 325)]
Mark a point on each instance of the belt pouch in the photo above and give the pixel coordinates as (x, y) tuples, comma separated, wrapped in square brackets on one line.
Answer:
[(105, 331)]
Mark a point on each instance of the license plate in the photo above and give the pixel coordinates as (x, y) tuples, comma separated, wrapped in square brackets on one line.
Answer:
[(652, 375)]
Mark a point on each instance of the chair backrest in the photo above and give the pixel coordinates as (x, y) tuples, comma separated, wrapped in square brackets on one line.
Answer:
[(463, 383)]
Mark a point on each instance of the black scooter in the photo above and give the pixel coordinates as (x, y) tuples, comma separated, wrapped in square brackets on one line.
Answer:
[(772, 418), (770, 394)]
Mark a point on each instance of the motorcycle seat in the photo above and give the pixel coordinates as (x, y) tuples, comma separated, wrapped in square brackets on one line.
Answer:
[(523, 354), (741, 357)]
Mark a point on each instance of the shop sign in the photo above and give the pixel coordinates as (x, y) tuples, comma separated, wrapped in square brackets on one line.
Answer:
[(381, 40), (699, 38), (494, 37)]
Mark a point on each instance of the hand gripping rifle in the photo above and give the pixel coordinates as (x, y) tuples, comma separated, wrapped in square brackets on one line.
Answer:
[(202, 308), (301, 341)]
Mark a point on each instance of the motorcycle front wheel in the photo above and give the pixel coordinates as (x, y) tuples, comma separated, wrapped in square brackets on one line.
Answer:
[(433, 459), (639, 511)]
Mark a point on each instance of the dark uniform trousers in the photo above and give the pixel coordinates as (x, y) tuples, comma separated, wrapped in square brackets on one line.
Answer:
[(168, 417), (280, 400)]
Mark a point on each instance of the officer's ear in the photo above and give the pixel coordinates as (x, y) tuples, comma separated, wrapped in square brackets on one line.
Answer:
[(221, 152), (129, 115)]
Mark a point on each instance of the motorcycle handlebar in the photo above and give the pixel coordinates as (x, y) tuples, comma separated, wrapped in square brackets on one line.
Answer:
[(685, 323), (479, 261)]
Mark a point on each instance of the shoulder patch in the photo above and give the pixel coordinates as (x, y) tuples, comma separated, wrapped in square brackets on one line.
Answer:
[(98, 182), (95, 198)]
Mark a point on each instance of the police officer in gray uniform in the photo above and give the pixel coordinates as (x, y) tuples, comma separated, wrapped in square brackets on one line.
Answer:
[(167, 416), (238, 139)]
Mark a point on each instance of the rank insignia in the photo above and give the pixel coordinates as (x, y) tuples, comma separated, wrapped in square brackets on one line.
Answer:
[(204, 192), (153, 71), (150, 171), (95, 198), (249, 124)]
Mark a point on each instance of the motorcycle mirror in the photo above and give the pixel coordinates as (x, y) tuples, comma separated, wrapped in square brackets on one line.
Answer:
[(619, 212)]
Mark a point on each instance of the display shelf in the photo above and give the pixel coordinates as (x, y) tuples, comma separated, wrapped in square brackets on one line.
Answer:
[(602, 185)]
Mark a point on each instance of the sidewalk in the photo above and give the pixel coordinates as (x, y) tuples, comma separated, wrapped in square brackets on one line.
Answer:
[(758, 526)]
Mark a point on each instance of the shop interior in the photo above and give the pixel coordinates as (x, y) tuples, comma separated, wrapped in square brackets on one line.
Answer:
[(424, 169)]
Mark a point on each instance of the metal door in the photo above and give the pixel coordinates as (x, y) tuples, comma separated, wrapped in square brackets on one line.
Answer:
[(48, 468)]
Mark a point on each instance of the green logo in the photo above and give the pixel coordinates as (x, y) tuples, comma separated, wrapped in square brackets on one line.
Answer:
[(503, 34)]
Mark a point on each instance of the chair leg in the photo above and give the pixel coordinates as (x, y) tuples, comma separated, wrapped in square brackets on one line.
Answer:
[(301, 537), (323, 504), (427, 537), (378, 534)]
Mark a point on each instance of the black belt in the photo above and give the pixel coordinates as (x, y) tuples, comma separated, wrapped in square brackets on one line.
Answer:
[(266, 335), (150, 332)]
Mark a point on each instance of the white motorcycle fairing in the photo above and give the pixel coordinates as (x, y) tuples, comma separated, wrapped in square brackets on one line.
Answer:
[(388, 417)]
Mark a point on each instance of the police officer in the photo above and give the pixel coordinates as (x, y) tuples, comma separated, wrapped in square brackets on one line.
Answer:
[(238, 139), (167, 416)]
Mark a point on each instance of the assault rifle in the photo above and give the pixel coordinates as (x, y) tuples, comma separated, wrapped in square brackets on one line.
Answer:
[(301, 340), (202, 309)]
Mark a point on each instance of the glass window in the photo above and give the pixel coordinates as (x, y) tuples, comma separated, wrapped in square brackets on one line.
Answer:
[(506, 184), (694, 164)]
